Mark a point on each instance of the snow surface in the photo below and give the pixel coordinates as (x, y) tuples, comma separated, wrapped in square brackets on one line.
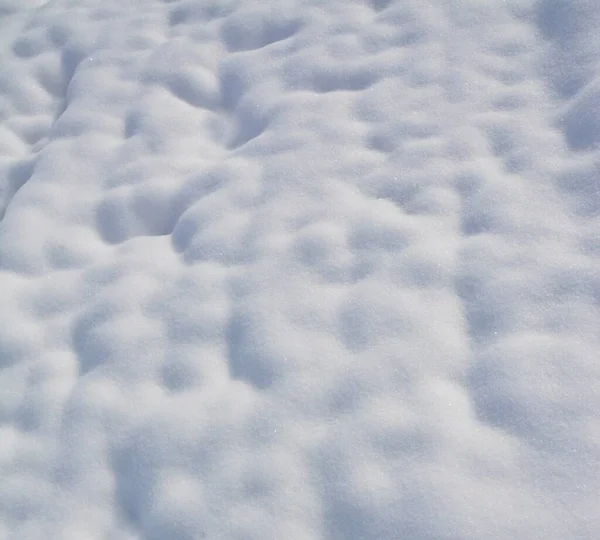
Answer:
[(300, 269)]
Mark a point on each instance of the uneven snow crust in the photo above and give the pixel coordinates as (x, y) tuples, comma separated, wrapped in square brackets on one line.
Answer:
[(305, 269)]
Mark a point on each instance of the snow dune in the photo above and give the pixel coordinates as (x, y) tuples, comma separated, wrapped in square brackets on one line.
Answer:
[(306, 269)]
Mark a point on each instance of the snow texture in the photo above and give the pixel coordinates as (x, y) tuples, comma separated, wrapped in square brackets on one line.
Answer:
[(304, 269)]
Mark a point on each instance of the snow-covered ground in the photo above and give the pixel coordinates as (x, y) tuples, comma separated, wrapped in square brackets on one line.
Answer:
[(300, 269)]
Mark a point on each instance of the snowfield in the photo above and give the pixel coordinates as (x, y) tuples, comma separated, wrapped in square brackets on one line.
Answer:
[(299, 269)]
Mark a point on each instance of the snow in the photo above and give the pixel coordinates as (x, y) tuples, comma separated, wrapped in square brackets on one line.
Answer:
[(307, 269)]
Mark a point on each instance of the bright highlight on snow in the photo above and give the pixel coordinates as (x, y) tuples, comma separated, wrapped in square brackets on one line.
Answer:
[(305, 269)]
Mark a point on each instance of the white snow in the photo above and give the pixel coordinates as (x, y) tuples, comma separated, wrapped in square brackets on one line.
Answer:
[(305, 269)]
